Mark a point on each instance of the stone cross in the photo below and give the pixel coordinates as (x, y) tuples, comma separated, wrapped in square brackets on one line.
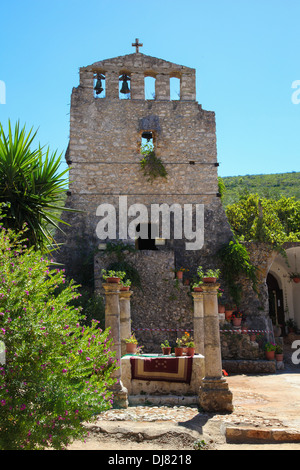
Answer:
[(137, 45)]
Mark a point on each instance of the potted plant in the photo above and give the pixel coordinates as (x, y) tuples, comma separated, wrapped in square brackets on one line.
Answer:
[(166, 348), (236, 318), (211, 276), (180, 271), (291, 324), (131, 344), (295, 277), (197, 286), (229, 309), (178, 347), (270, 349), (279, 353), (190, 348), (200, 272), (112, 276), (125, 285)]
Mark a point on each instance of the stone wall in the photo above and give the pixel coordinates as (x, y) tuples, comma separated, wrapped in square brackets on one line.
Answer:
[(104, 155), (161, 302), (104, 158)]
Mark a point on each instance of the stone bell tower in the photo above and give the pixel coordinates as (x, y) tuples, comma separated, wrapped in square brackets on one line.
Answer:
[(107, 130)]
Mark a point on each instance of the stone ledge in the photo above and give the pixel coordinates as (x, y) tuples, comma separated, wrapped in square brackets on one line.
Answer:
[(258, 435), (135, 400), (245, 366)]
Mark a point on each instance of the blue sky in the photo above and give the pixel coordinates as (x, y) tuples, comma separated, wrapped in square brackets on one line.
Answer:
[(246, 56)]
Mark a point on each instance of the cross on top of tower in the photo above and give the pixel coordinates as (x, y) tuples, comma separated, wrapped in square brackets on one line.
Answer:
[(137, 45)]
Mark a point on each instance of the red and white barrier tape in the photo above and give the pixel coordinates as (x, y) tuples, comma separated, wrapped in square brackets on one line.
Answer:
[(221, 331), (159, 329), (245, 331)]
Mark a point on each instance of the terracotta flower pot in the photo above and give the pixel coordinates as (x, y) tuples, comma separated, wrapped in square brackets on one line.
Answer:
[(113, 280), (210, 280), (179, 274), (166, 351), (178, 351), (221, 308), (198, 289), (131, 348), (279, 357), (296, 280), (125, 288), (190, 351), (270, 355), (236, 321), (228, 314)]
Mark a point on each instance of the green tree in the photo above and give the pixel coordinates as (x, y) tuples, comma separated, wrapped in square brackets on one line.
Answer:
[(31, 185), (265, 220), (57, 371)]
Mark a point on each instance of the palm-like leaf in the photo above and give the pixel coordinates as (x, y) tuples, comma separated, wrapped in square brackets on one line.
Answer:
[(30, 185)]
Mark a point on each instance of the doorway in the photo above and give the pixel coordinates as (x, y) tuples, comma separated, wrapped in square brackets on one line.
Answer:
[(276, 306)]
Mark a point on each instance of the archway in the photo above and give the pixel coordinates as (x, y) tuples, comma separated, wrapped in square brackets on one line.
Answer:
[(276, 303), (282, 287)]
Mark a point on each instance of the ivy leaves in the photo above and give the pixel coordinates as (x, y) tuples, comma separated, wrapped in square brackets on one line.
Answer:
[(151, 165)]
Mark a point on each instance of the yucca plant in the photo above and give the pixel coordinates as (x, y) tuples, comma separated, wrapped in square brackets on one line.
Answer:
[(31, 186)]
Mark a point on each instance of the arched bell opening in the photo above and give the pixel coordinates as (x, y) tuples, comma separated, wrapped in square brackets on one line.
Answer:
[(174, 88), (99, 85), (124, 87), (149, 86)]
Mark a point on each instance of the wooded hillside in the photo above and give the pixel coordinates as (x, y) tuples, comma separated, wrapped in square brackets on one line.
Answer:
[(272, 186)]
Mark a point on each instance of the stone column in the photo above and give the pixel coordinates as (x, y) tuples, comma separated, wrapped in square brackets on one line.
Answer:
[(125, 318), (137, 86), (112, 321), (87, 82), (188, 87), (112, 85), (198, 322), (162, 87), (214, 392)]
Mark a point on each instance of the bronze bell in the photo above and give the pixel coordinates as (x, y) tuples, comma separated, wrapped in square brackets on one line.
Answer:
[(125, 88), (147, 135), (98, 87)]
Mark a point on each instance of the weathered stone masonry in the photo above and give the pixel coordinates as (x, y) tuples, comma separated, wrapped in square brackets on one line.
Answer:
[(104, 158)]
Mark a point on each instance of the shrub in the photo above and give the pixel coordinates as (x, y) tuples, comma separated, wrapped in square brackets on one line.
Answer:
[(57, 372), (31, 186)]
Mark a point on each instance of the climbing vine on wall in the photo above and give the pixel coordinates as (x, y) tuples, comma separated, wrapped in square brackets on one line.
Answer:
[(151, 165), (236, 262)]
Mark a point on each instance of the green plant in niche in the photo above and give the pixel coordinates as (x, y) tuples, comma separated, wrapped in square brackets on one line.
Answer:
[(131, 272), (236, 262), (151, 165), (119, 248)]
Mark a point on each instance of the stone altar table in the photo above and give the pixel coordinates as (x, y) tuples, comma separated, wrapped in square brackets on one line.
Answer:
[(175, 384)]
